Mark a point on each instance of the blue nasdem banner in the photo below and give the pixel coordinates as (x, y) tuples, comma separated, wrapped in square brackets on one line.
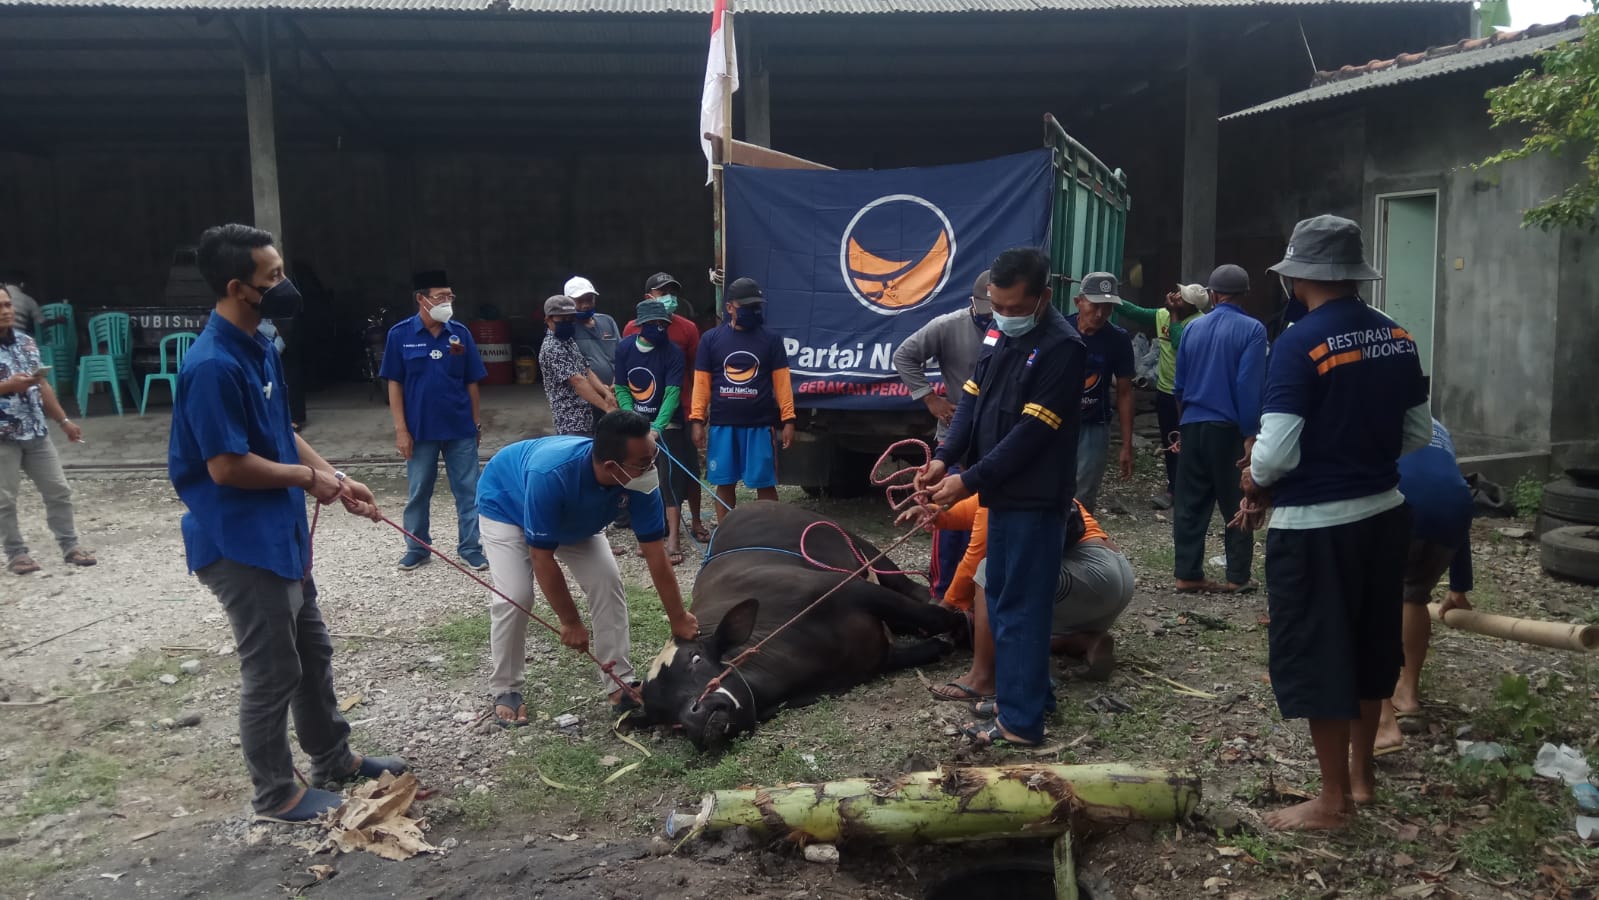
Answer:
[(852, 262)]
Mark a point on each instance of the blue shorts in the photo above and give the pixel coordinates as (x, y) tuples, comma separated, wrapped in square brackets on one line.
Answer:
[(735, 453)]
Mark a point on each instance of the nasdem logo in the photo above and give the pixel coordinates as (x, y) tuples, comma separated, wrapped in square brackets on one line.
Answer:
[(641, 384), (896, 253), (741, 367)]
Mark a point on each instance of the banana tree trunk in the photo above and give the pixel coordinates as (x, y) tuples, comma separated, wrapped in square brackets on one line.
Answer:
[(953, 804)]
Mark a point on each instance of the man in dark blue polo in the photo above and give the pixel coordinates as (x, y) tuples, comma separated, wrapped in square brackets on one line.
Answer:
[(243, 472), (1015, 431), (433, 369)]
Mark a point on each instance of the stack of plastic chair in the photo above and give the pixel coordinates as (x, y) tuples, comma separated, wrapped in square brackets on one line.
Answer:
[(58, 344), (109, 360), (180, 343)]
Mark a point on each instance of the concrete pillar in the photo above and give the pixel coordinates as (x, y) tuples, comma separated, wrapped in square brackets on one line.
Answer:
[(1199, 159), (260, 115), (756, 86)]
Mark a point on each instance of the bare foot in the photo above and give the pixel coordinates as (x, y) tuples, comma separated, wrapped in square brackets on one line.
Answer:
[(1389, 737), (1319, 814)]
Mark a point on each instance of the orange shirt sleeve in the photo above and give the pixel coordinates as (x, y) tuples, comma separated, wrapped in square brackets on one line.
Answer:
[(702, 396), (960, 516), (783, 390), (1091, 525), (962, 589)]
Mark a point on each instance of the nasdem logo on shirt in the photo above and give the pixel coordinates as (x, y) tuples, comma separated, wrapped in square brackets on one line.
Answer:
[(741, 367), (641, 384)]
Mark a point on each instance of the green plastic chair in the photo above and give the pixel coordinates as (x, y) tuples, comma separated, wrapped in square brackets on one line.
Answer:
[(109, 360), (180, 341), (58, 343), (47, 357)]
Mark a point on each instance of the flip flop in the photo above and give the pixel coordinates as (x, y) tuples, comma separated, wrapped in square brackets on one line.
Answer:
[(511, 700), (23, 565), (80, 557), (1384, 751), (988, 734), (966, 692)]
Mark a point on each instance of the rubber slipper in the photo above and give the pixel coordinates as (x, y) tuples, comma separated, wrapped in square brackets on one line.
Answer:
[(966, 693), (313, 803), (511, 700), (988, 734), (23, 565), (1384, 751)]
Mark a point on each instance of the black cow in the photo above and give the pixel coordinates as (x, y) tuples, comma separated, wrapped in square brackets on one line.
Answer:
[(755, 581)]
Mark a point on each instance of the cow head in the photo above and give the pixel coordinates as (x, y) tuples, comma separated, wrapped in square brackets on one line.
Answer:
[(678, 677)]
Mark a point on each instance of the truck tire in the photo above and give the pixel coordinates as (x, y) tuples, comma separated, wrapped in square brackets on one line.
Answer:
[(1547, 523), (1572, 553), (1584, 476), (1565, 499)]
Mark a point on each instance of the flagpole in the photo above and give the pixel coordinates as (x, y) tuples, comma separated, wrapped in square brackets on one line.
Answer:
[(726, 154)]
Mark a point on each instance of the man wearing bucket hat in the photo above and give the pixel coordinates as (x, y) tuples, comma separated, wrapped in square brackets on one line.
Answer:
[(1221, 368), (1182, 304), (1345, 398), (649, 381), (684, 335)]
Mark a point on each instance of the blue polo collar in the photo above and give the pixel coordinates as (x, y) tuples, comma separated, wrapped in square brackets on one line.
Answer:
[(232, 334)]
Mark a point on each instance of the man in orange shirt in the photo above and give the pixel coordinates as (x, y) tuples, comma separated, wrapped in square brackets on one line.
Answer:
[(1096, 585)]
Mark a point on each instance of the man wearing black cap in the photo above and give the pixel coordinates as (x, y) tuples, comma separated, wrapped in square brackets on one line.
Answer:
[(742, 396), (1345, 398), (433, 368), (955, 339), (685, 335), (1221, 368)]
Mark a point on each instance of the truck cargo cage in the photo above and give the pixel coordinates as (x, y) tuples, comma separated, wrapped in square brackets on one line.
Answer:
[(1088, 218)]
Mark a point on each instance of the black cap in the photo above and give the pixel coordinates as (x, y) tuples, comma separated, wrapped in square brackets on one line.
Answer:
[(429, 279), (1229, 280), (660, 280), (744, 291)]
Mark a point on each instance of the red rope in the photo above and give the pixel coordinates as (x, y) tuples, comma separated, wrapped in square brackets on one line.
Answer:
[(605, 667)]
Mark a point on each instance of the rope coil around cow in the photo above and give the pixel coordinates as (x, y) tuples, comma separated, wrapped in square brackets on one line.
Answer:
[(889, 483)]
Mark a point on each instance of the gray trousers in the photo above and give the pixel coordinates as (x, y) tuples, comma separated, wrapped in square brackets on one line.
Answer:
[(285, 664), (36, 457), (1093, 452)]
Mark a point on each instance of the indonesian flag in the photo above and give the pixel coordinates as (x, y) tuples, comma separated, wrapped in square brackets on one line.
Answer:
[(721, 79)]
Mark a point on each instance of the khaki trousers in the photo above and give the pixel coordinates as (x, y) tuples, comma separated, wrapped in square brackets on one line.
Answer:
[(591, 563)]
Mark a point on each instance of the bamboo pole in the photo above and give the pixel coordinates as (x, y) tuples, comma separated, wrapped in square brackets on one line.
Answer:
[(1558, 635), (952, 804), (1065, 868)]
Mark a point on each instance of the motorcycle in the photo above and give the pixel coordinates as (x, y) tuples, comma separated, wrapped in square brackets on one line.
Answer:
[(375, 335)]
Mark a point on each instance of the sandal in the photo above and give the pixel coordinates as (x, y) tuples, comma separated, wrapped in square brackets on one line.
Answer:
[(964, 693), (23, 565), (80, 557), (511, 700), (987, 733)]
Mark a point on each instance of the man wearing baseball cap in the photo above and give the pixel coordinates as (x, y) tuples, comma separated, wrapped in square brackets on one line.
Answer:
[(1345, 398), (742, 397), (1110, 355), (596, 333), (685, 336), (1221, 368), (1182, 304), (955, 339), (573, 390)]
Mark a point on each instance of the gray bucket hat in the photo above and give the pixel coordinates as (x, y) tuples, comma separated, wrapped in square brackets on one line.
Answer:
[(1326, 248)]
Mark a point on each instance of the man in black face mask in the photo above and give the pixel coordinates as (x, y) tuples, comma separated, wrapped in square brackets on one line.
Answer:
[(955, 339), (243, 473)]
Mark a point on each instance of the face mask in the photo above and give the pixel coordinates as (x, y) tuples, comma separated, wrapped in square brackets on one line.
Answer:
[(669, 301), (280, 301), (646, 483), (652, 333), (1016, 326), (583, 315), (565, 330), (1288, 287), (748, 317), (982, 321), (442, 312)]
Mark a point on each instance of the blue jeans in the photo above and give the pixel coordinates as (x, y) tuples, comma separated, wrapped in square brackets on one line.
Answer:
[(1024, 553), (422, 470), (1093, 452)]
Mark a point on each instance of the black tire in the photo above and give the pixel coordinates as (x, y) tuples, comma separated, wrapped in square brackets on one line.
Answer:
[(1565, 499), (1547, 523), (1584, 476), (1572, 553)]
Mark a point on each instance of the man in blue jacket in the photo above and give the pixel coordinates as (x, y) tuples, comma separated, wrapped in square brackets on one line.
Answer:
[(1015, 433)]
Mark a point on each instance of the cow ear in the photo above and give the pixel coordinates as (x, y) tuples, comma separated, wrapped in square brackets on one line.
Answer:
[(735, 627)]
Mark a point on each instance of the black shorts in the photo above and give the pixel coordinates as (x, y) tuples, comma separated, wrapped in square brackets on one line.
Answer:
[(1425, 566), (1336, 601), (677, 484)]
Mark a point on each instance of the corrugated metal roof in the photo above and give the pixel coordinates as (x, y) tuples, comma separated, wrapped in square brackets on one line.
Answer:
[(763, 7), (1413, 67)]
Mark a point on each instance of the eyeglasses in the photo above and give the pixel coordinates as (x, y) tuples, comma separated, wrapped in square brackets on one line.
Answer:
[(443, 298), (647, 466)]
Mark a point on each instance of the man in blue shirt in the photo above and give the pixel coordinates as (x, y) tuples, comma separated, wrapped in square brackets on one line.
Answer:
[(1221, 367), (1015, 431), (1110, 356), (546, 502), (1345, 398), (433, 369), (243, 473), (1440, 540)]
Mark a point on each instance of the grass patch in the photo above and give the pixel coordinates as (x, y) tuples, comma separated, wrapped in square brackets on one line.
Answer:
[(19, 876), (69, 780), (464, 640), (1527, 494), (1509, 844), (147, 667)]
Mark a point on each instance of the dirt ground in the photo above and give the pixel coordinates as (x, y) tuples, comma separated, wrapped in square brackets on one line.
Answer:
[(106, 792)]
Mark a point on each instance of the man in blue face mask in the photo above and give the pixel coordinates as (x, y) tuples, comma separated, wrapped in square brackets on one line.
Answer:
[(596, 333), (685, 336), (1015, 430), (573, 390)]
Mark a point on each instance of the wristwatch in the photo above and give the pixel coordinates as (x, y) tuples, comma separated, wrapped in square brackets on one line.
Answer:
[(339, 476)]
